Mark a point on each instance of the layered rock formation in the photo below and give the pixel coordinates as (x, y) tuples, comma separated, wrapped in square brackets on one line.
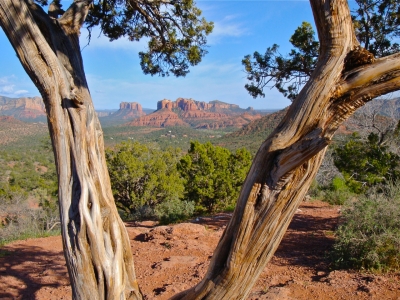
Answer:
[(198, 114), (133, 106), (193, 105), (128, 111), (160, 118), (25, 108)]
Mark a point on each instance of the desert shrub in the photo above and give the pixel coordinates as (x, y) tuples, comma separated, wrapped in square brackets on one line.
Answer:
[(365, 163), (174, 211), (369, 235), (143, 176), (28, 173), (213, 175), (338, 192), (18, 220), (316, 191)]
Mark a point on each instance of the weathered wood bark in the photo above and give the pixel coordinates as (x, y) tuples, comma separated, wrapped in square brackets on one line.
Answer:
[(96, 244), (346, 77)]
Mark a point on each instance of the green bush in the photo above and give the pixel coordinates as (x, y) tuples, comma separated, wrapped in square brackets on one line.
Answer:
[(174, 211), (365, 163), (143, 176), (338, 193), (213, 175), (369, 236)]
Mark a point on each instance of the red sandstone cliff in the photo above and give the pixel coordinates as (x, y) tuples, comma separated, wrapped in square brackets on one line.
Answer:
[(193, 105), (160, 118), (128, 111), (198, 114), (25, 108)]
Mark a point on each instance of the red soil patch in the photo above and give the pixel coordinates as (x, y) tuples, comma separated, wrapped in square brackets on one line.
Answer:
[(169, 259)]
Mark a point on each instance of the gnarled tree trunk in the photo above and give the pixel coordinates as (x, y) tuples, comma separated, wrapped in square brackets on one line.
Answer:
[(96, 244), (346, 77)]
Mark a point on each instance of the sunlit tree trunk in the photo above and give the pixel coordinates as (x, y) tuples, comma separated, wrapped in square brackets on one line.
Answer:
[(346, 77), (96, 244)]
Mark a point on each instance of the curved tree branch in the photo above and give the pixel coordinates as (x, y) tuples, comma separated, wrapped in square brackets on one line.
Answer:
[(288, 160), (73, 19)]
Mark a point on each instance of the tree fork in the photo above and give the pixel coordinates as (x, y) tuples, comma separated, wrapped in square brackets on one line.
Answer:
[(289, 159), (96, 244)]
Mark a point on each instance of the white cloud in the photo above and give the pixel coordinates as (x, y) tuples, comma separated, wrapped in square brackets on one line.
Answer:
[(12, 86), (21, 92), (229, 26), (7, 88)]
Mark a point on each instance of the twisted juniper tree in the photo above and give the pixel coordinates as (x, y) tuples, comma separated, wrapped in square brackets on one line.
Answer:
[(345, 77)]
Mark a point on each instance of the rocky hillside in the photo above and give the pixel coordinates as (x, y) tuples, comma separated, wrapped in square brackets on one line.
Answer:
[(374, 116), (197, 114), (13, 130), (29, 109), (252, 134)]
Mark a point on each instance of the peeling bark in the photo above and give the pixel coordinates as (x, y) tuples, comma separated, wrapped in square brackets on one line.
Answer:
[(289, 159), (96, 244)]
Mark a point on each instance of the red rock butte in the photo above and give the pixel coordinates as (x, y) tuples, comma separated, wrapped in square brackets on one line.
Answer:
[(193, 105), (198, 114), (131, 106), (25, 108)]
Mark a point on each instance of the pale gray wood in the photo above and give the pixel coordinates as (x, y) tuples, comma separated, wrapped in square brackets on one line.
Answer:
[(96, 244), (288, 160)]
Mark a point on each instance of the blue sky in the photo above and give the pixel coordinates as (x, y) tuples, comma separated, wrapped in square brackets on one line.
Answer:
[(114, 74)]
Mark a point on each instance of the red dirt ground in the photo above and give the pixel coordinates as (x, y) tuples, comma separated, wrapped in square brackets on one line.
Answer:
[(170, 259)]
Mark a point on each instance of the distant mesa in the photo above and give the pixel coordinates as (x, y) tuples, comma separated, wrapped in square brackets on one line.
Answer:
[(198, 114), (132, 106), (28, 109), (127, 112), (193, 105), (7, 118), (181, 112)]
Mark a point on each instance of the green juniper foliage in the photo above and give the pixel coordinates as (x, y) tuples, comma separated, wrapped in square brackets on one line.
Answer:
[(143, 176), (377, 26), (175, 31), (365, 163), (213, 175), (165, 184), (288, 75)]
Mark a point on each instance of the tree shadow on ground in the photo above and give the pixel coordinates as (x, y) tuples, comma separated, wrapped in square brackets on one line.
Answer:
[(215, 222), (30, 268), (308, 241)]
